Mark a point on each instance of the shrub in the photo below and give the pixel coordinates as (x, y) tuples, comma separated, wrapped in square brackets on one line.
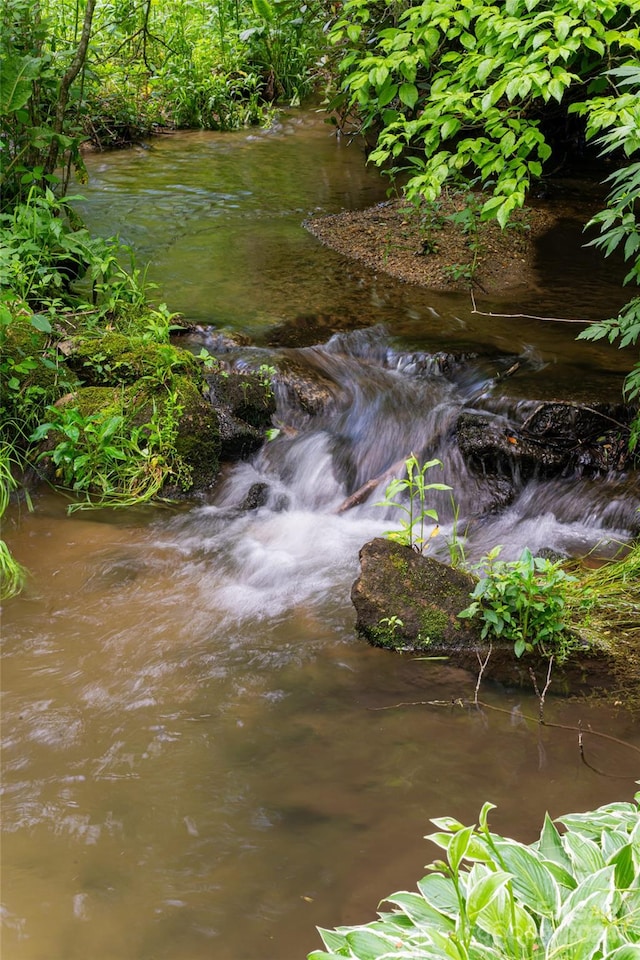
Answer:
[(568, 896), (522, 601)]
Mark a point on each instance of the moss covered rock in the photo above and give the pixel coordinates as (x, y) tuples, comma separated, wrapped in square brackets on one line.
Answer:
[(116, 358), (405, 600)]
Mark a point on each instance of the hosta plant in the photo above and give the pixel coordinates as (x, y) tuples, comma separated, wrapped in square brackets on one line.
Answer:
[(574, 894)]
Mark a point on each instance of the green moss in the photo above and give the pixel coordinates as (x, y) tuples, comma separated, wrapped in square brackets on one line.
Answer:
[(117, 358), (198, 440), (433, 624), (32, 375)]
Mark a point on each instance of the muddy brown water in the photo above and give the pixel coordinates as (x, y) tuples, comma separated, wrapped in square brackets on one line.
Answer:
[(200, 759)]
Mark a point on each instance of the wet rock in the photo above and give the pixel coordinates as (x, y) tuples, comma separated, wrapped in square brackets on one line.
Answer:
[(310, 329), (556, 439), (244, 404), (405, 600), (304, 387), (246, 396), (238, 439), (256, 497), (594, 438), (408, 602), (491, 447)]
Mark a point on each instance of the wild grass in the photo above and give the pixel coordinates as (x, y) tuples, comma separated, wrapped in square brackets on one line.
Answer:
[(611, 594)]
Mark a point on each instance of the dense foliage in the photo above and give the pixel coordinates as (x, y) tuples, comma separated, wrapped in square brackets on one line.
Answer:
[(112, 72), (572, 895)]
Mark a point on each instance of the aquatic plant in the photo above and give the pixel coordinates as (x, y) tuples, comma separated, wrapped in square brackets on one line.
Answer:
[(12, 573), (416, 512), (604, 602), (571, 895), (524, 602)]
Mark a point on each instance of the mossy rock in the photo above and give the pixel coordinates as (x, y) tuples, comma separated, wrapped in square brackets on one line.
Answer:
[(247, 396), (407, 602), (198, 441), (115, 358), (421, 596), (40, 380), (196, 446)]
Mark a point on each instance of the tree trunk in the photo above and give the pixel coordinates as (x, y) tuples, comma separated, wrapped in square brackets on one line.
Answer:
[(65, 86)]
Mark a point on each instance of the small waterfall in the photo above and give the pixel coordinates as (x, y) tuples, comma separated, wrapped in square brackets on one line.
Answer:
[(278, 527)]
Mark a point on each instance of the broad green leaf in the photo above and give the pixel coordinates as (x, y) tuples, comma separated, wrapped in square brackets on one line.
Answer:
[(419, 911), (550, 844), (368, 945), (495, 918), (41, 323), (601, 882), (585, 855), (458, 847), (333, 939), (481, 894), (533, 882), (440, 892), (447, 823), (625, 866), (18, 74), (630, 951), (263, 9), (408, 93), (580, 932)]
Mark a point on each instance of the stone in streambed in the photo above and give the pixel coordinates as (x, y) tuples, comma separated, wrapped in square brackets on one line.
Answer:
[(420, 596)]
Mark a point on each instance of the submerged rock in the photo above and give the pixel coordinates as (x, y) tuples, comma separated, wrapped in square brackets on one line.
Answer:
[(555, 439)]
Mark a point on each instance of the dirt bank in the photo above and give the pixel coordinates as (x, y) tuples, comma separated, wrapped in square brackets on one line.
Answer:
[(437, 246)]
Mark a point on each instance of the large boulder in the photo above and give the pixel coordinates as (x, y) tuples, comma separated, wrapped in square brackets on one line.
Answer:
[(407, 601)]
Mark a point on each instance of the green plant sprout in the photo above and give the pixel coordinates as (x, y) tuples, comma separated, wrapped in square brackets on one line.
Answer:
[(416, 513)]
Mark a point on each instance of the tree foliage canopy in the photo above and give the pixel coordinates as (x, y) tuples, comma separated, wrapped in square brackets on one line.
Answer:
[(483, 90)]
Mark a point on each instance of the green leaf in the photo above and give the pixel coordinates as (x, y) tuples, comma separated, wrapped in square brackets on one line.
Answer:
[(625, 866), (40, 323), (458, 847), (333, 939), (484, 892), (533, 882), (550, 844), (440, 892), (368, 945), (408, 93), (263, 9), (584, 853), (419, 911), (580, 932), (630, 951), (18, 74)]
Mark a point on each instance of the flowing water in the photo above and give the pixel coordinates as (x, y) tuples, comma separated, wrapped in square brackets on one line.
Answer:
[(200, 759)]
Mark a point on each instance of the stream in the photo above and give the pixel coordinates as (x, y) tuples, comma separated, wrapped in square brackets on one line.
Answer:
[(200, 759)]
